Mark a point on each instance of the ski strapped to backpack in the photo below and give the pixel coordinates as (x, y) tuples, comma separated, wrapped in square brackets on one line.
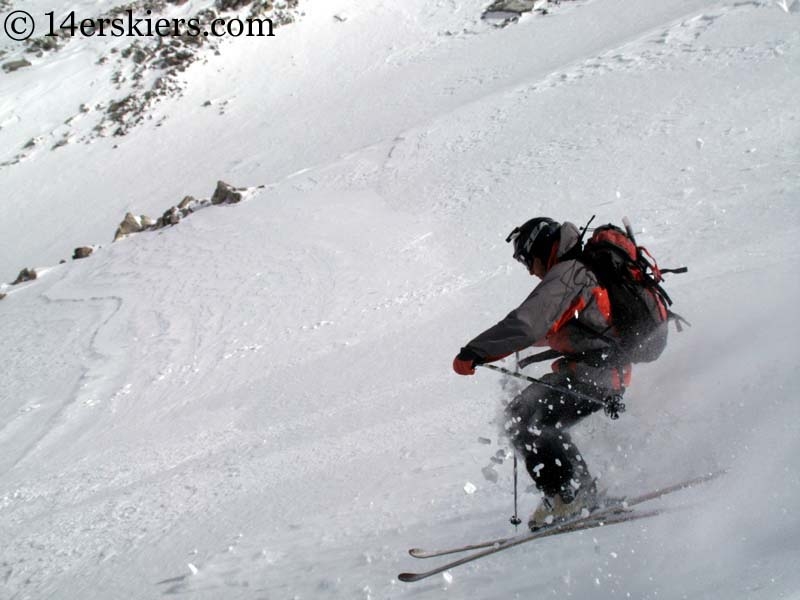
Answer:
[(639, 304)]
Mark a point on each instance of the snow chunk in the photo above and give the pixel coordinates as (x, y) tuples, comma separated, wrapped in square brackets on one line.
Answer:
[(448, 577), (470, 488), (489, 474)]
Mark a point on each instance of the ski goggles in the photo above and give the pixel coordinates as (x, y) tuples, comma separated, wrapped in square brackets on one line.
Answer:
[(537, 242), (512, 238)]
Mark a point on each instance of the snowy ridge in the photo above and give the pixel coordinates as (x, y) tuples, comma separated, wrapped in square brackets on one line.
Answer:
[(257, 402)]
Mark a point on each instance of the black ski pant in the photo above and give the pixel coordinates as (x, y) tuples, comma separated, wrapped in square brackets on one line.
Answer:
[(537, 423)]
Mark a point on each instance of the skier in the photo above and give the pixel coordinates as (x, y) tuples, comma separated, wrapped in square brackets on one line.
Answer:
[(571, 313)]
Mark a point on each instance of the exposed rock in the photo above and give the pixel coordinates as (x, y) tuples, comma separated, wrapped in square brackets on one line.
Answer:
[(187, 202), (147, 70), (82, 252), (14, 65), (516, 6), (190, 204), (506, 12), (225, 194), (172, 216), (2, 295), (125, 113), (130, 224), (25, 275), (225, 5), (46, 43)]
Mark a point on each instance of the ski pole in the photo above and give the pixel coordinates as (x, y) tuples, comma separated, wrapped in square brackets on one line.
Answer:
[(612, 405), (515, 520)]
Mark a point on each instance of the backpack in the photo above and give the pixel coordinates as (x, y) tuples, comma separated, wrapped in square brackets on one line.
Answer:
[(639, 305)]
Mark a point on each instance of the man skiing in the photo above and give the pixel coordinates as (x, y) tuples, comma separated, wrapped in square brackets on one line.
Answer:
[(571, 313)]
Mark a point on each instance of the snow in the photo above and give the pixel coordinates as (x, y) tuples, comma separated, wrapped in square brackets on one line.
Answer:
[(258, 402)]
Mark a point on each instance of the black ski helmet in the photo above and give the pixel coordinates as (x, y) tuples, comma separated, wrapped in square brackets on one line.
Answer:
[(534, 239)]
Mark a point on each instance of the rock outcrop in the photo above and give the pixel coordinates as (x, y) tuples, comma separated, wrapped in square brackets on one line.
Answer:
[(130, 224), (225, 194), (25, 275), (15, 65), (504, 12)]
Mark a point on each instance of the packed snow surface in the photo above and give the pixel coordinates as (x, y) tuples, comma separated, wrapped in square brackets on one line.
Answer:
[(258, 402)]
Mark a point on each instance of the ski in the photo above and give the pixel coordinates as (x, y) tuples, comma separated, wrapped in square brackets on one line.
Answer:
[(589, 522), (618, 512), (619, 505), (420, 553)]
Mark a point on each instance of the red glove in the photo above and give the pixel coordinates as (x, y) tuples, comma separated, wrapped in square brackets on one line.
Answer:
[(464, 363), (463, 367)]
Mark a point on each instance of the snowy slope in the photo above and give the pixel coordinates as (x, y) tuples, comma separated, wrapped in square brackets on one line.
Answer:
[(257, 402)]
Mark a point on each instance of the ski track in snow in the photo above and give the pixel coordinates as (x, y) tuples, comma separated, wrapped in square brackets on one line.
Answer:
[(257, 404)]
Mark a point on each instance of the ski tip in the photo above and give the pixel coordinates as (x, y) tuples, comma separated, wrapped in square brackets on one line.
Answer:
[(408, 577), (416, 552)]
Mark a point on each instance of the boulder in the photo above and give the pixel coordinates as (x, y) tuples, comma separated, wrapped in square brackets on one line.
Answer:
[(188, 205), (130, 224), (516, 6), (25, 275), (226, 5), (187, 202), (170, 217), (82, 252), (225, 194), (14, 65)]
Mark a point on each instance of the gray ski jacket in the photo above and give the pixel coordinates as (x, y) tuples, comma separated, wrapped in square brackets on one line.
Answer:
[(562, 312)]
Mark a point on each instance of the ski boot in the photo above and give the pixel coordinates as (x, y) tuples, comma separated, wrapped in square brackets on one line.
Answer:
[(565, 505)]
